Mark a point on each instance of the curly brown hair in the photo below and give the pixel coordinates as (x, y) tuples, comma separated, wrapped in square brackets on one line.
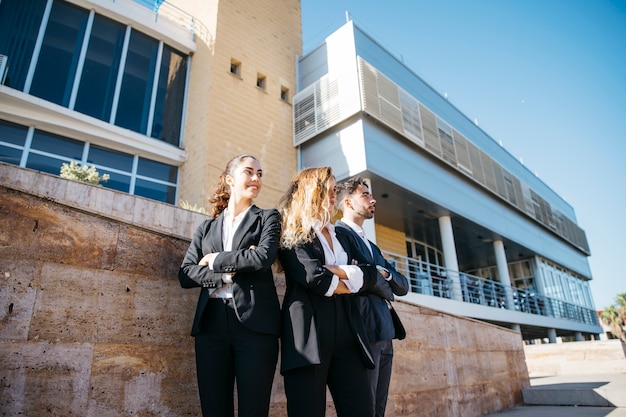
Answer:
[(221, 196)]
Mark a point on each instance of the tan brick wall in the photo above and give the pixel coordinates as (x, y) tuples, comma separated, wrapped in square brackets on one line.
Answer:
[(93, 321), (227, 114), (391, 240)]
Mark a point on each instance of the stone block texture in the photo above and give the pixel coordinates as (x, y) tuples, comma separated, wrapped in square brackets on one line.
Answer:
[(93, 321)]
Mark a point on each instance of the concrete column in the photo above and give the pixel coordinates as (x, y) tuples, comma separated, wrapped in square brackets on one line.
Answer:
[(503, 272), (516, 327), (449, 254), (369, 226), (552, 335), (578, 336)]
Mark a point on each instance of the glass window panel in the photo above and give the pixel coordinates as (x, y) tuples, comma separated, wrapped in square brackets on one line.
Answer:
[(51, 143), (155, 191), (102, 61), (134, 102), (116, 181), (10, 155), (44, 163), (168, 108), (19, 25), (110, 159), (12, 133), (157, 170), (56, 66)]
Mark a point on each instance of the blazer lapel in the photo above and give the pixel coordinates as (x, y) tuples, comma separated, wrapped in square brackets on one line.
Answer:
[(215, 238), (362, 246), (246, 223)]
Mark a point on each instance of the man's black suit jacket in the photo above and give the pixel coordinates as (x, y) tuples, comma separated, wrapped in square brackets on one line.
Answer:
[(374, 306), (254, 292)]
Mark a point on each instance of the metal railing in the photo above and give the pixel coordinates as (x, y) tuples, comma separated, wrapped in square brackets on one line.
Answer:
[(434, 280), (164, 9)]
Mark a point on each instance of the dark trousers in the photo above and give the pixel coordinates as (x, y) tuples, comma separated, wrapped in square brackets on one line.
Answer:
[(227, 351), (380, 376), (342, 370)]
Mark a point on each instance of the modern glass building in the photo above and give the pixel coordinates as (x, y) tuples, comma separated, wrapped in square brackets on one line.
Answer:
[(473, 229), (159, 94)]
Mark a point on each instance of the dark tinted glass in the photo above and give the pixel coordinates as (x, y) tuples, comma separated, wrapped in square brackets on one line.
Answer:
[(12, 133), (44, 163), (168, 108), (56, 66), (19, 26), (10, 155), (155, 191), (116, 181), (102, 61), (110, 159), (153, 169), (51, 143), (134, 103)]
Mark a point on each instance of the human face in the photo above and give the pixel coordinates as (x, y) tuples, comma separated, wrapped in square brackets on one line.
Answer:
[(246, 180), (332, 194), (362, 203)]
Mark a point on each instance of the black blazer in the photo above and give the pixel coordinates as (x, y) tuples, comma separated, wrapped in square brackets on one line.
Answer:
[(306, 283), (373, 306), (254, 292)]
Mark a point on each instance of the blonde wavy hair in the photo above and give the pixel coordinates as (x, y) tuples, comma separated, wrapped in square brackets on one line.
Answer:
[(221, 195), (304, 204)]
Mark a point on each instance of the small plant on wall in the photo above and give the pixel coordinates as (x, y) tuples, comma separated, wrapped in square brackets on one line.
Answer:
[(84, 173)]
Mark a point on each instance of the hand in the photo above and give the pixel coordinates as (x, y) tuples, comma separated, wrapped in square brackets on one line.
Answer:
[(206, 259)]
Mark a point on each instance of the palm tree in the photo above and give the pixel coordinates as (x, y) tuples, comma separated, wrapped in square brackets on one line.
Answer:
[(615, 317)]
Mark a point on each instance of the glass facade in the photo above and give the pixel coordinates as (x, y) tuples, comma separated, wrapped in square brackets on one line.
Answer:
[(84, 61), (47, 152)]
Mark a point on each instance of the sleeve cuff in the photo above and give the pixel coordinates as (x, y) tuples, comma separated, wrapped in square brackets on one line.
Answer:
[(355, 277)]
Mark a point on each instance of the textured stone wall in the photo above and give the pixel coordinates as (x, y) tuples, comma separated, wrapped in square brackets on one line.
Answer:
[(579, 358), (93, 321)]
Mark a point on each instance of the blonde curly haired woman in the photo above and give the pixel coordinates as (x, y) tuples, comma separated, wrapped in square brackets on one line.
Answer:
[(323, 342)]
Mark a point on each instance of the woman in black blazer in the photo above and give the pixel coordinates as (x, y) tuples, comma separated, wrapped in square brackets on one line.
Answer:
[(237, 320), (323, 342)]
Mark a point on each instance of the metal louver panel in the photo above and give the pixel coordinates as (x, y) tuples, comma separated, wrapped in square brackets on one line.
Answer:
[(322, 105), (490, 178), (447, 142), (4, 67), (462, 153), (477, 167), (411, 123), (499, 177), (431, 136), (369, 90)]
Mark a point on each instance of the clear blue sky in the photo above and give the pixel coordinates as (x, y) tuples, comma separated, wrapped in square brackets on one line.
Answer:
[(547, 78)]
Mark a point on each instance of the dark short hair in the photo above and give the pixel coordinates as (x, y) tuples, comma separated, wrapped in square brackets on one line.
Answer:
[(348, 187)]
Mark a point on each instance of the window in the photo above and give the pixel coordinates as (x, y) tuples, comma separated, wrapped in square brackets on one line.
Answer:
[(58, 60), (148, 99), (235, 67), (99, 76), (46, 152), (134, 104), (284, 94), (18, 41), (260, 81)]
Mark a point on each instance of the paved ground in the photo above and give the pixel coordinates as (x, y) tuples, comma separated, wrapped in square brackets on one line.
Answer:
[(572, 389)]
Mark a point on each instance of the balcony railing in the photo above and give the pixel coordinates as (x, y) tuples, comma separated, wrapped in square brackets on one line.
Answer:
[(164, 9), (434, 280)]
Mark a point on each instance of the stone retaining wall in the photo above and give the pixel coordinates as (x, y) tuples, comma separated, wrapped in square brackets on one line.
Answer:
[(94, 323)]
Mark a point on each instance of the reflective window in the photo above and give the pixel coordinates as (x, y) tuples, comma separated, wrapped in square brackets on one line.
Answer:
[(109, 158), (51, 143), (102, 62), (155, 191), (58, 59), (116, 181), (19, 26), (12, 133), (45, 163), (168, 109), (10, 155), (134, 104), (153, 169)]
